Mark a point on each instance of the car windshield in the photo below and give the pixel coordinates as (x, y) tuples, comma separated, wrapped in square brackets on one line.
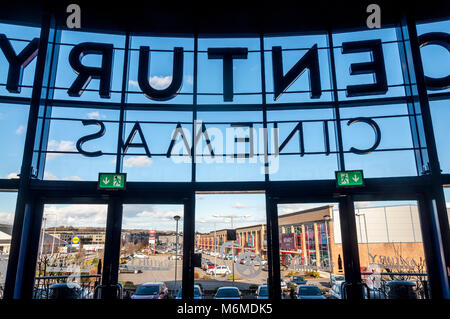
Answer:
[(339, 278), (196, 292), (147, 290), (263, 291), (227, 293), (298, 278), (309, 291)]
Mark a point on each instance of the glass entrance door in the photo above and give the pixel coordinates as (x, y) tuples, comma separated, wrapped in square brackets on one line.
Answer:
[(151, 251)]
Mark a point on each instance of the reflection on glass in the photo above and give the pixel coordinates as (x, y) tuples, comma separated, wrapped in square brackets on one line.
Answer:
[(309, 256), (231, 235), (7, 209), (70, 254), (391, 250), (151, 251)]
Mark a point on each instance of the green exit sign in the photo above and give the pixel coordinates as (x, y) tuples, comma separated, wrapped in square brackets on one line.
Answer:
[(112, 180), (350, 178)]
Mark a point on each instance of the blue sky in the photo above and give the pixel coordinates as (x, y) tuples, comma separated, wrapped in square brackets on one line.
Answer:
[(247, 79)]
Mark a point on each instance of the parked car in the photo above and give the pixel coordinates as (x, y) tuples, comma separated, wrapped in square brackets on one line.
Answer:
[(283, 284), (173, 257), (151, 290), (309, 292), (219, 270), (198, 294), (298, 280), (228, 293), (335, 292), (399, 289), (336, 279), (123, 269), (228, 256), (140, 255), (262, 292), (65, 291)]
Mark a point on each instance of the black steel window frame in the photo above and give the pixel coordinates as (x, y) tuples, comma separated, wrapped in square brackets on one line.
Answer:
[(33, 192)]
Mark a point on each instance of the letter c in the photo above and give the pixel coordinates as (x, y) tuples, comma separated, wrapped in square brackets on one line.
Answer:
[(375, 128)]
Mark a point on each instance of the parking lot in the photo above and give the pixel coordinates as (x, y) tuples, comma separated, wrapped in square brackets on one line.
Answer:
[(159, 268)]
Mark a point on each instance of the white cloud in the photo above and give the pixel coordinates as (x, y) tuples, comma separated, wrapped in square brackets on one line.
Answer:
[(160, 82), (239, 205), (50, 176), (73, 178), (189, 79), (292, 208), (137, 161), (159, 214), (12, 175), (133, 83), (6, 218), (95, 115), (20, 130), (157, 82), (62, 146), (76, 215)]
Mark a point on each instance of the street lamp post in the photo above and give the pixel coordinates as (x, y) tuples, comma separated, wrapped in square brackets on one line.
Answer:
[(177, 218), (232, 246), (327, 218)]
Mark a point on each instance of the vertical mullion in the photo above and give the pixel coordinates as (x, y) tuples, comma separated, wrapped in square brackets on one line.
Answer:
[(24, 200), (336, 111), (123, 101), (194, 110), (264, 108)]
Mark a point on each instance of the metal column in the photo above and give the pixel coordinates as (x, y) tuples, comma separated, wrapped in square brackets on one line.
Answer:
[(188, 247), (353, 285), (428, 161), (24, 202), (112, 247)]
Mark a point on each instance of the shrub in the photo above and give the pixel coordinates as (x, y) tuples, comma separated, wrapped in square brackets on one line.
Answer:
[(235, 277), (313, 274), (196, 275)]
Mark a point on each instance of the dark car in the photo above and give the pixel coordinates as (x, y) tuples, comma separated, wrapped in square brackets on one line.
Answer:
[(151, 290), (65, 291), (298, 280)]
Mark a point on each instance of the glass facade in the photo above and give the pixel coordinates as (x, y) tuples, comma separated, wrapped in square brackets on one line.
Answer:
[(184, 117)]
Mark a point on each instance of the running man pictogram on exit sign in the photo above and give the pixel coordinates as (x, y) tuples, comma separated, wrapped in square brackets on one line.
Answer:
[(112, 180), (350, 178)]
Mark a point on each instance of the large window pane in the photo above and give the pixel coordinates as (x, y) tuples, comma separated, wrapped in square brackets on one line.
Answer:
[(7, 211), (231, 268), (391, 250), (71, 250), (310, 257), (13, 129), (151, 250)]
